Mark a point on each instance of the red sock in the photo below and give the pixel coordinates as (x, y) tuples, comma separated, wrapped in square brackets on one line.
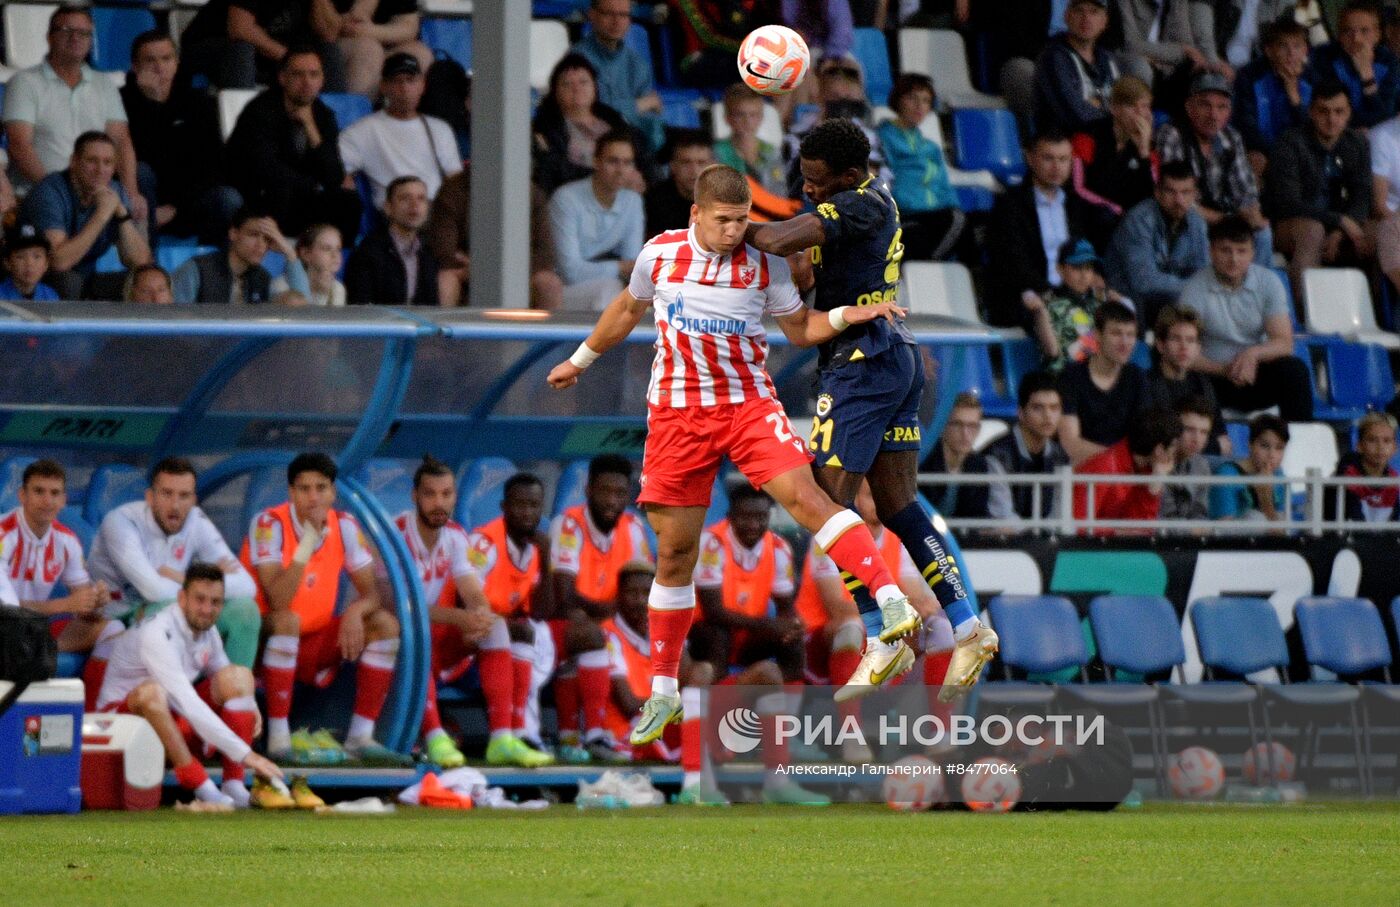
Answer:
[(191, 774), (277, 683), (241, 722), (432, 720), (594, 685), (93, 673), (371, 689), (498, 684), (855, 552), (566, 703), (935, 671), (692, 744), (843, 663), (520, 669), (667, 629)]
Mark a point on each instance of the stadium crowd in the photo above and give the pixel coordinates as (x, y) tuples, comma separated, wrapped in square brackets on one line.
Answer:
[(1186, 163)]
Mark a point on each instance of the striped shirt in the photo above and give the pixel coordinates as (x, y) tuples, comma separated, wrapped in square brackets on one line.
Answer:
[(710, 341)]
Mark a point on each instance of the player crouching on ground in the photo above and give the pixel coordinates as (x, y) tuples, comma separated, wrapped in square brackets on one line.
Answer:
[(711, 397), (297, 551), (174, 665), (465, 621)]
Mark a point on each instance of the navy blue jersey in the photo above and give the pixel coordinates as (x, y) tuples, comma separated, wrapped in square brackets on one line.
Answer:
[(859, 265)]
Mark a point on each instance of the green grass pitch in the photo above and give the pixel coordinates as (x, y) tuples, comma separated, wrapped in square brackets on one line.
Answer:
[(1217, 855)]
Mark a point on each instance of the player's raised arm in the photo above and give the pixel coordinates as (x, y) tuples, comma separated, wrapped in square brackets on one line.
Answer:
[(618, 320), (786, 237), (808, 327)]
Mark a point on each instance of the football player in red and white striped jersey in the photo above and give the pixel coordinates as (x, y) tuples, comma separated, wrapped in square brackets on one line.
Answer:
[(710, 397)]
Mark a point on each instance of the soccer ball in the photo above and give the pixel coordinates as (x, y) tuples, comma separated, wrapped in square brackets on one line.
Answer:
[(1195, 773), (993, 789), (773, 59), (1259, 769), (912, 785)]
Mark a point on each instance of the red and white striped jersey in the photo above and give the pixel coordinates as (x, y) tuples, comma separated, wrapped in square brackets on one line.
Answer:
[(35, 563), (447, 559), (710, 341)]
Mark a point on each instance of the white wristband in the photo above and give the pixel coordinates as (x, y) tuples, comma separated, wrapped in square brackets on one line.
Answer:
[(584, 356), (835, 316)]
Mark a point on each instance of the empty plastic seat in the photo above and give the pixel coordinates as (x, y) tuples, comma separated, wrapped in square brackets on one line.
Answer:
[(1338, 301), (480, 485), (267, 487), (171, 257), (991, 430), (1311, 445), (1359, 375), (231, 104), (115, 29), (939, 288), (940, 55), (391, 483), (448, 37), (111, 486), (11, 474), (549, 42), (874, 56), (988, 140), (72, 517), (348, 108), (680, 107), (26, 31), (446, 7), (570, 490)]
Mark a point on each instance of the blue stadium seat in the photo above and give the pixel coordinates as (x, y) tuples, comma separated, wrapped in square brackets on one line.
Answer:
[(275, 263), (479, 487), (969, 368), (114, 30), (874, 56), (679, 107), (71, 664), (557, 9), (975, 198), (986, 139), (1239, 437), (11, 472), (348, 108), (391, 483), (1292, 305), (72, 517), (1238, 635), (111, 486), (448, 37), (110, 262), (1342, 635), (1040, 635), (170, 257), (267, 487), (1020, 357), (1142, 356), (570, 490), (1359, 375)]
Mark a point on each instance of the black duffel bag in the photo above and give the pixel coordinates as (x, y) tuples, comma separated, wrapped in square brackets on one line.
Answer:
[(28, 652)]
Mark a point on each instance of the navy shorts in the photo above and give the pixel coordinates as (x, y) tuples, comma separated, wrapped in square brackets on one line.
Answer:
[(866, 407)]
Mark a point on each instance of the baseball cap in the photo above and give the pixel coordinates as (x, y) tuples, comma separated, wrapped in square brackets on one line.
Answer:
[(401, 64), (1078, 252), (1211, 81), (25, 236)]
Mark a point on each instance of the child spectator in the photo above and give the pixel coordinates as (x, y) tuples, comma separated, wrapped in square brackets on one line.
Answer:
[(1102, 394), (1148, 449), (1375, 446), (1177, 337), (928, 206), (1255, 500), (148, 285), (1113, 156), (318, 257), (1190, 502), (760, 161), (26, 261), (1063, 316)]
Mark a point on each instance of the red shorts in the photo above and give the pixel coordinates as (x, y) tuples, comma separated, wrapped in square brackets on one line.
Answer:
[(206, 692), (450, 656), (318, 655), (685, 446)]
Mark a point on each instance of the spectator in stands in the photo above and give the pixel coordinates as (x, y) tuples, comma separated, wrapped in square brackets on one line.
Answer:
[(597, 225), (449, 236), (244, 43), (568, 124), (300, 552), (1029, 223), (954, 455), (397, 140), (1182, 501), (1225, 181), (841, 95), (144, 548), (1235, 29), (393, 265), (1148, 449), (368, 32), (711, 31), (1165, 38), (1075, 73), (1062, 318), (448, 97), (1176, 335), (236, 274), (1369, 72), (667, 203), (49, 106), (26, 263), (1272, 94), (1029, 447), (284, 153), (1385, 177), (83, 212), (626, 82), (825, 25), (1375, 448), (1114, 156), (178, 147), (1259, 499), (1320, 189), (1102, 396), (314, 267), (760, 161), (1160, 243), (1247, 334), (928, 206), (149, 285)]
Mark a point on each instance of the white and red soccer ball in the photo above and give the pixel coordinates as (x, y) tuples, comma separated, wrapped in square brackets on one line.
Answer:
[(1259, 768), (991, 786), (914, 785), (1196, 773), (773, 60)]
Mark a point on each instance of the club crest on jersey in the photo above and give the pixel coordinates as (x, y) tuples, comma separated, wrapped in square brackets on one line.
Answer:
[(824, 404), (747, 273)]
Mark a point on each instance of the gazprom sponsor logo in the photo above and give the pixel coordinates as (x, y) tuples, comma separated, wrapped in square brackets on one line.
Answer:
[(675, 315)]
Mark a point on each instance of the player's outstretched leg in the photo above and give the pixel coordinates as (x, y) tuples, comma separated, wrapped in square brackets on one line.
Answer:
[(671, 608)]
